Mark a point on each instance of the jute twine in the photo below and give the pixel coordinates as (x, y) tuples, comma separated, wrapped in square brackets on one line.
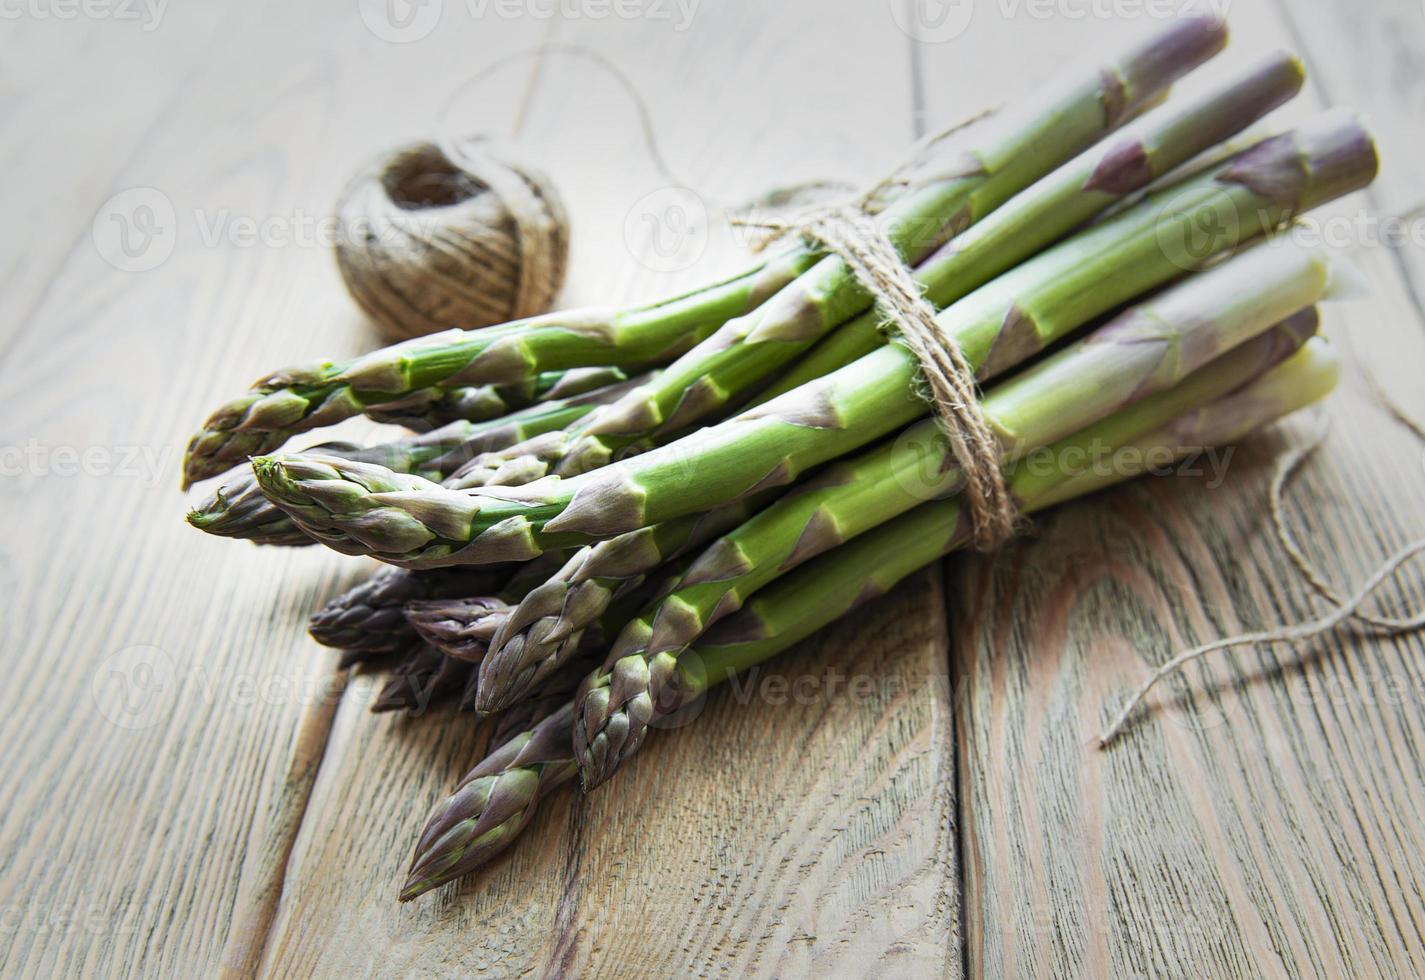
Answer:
[(1347, 608), (431, 238), (852, 232)]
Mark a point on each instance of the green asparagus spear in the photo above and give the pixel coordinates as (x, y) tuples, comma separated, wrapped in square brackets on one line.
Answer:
[(431, 408), (534, 639), (1084, 187), (1143, 351), (461, 629), (368, 620), (411, 522), (850, 499)]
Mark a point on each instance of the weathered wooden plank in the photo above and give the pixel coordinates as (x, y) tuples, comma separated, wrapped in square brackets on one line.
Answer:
[(62, 147), (765, 838), (1253, 823), (161, 678)]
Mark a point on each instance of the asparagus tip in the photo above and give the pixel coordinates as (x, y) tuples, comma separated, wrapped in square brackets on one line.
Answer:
[(415, 886)]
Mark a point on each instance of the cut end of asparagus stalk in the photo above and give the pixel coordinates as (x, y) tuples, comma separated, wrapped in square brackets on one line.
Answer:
[(1166, 56), (1319, 161)]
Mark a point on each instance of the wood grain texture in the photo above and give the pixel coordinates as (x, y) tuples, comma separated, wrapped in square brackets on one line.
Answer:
[(64, 149), (1254, 821), (194, 792), (160, 717)]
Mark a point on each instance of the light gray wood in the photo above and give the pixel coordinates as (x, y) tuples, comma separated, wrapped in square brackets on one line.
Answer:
[(1259, 820), (132, 829), (242, 811)]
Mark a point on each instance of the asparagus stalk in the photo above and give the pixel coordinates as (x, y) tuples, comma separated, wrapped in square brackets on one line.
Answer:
[(423, 680), (309, 396), (368, 620), (534, 639), (1086, 186), (425, 677), (459, 628), (496, 801), (1061, 119), (492, 804), (239, 510), (411, 522), (615, 707), (551, 696), (467, 628), (434, 407), (515, 465)]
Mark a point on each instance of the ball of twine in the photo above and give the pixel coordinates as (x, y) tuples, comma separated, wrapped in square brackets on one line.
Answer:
[(426, 243)]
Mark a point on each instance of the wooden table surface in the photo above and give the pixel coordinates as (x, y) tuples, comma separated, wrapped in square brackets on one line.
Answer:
[(191, 789)]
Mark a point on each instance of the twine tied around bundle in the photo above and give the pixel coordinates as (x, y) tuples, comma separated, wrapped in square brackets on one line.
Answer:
[(851, 232)]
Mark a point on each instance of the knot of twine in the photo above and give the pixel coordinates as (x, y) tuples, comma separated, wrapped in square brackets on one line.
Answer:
[(429, 239), (852, 233)]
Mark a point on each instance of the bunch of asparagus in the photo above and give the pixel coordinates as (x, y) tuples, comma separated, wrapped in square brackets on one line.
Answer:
[(584, 551)]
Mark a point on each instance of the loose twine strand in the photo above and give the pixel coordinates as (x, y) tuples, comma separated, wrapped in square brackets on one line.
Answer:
[(851, 232), (1347, 609)]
